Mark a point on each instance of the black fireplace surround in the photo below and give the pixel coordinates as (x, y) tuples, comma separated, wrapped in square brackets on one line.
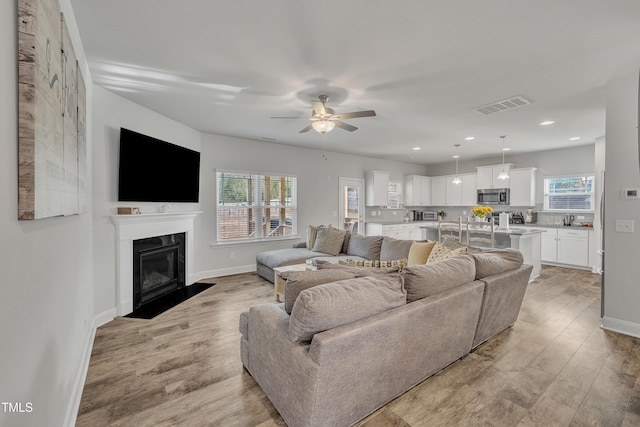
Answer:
[(158, 267)]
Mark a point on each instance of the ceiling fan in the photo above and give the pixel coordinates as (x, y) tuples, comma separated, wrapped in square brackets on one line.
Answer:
[(324, 119)]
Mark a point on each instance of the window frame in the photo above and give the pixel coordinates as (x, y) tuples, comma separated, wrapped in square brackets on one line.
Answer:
[(259, 207), (545, 194)]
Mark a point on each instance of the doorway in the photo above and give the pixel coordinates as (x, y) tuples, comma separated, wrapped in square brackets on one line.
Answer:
[(351, 216)]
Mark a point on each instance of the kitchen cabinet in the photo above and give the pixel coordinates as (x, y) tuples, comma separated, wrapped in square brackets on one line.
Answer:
[(403, 232), (376, 188), (417, 190), (454, 192), (488, 176), (469, 189), (439, 190), (523, 187), (416, 232), (567, 246), (377, 229), (394, 197)]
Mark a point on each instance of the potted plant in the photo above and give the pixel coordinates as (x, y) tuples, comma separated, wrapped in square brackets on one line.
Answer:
[(442, 214)]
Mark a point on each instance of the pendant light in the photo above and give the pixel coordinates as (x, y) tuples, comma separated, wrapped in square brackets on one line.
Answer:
[(503, 175), (456, 180)]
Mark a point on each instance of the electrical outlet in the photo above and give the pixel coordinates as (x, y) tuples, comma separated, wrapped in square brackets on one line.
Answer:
[(580, 217), (335, 213), (624, 225)]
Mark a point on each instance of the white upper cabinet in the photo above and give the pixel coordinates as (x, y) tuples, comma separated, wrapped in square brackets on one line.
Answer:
[(376, 188), (417, 190), (454, 192), (469, 189), (439, 190), (523, 187), (488, 176)]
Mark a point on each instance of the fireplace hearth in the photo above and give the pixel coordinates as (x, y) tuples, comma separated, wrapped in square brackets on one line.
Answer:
[(158, 267)]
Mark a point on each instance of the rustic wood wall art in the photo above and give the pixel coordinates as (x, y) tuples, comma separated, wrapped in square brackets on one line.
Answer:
[(52, 152)]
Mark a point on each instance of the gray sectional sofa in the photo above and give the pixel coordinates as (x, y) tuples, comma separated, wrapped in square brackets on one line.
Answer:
[(353, 246), (340, 350)]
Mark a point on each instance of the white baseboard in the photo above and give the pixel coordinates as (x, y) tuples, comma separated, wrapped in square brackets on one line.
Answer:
[(78, 385), (105, 317), (221, 272), (621, 326)]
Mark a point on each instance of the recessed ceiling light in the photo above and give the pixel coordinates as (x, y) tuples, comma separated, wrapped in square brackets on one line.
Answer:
[(470, 138), (547, 123), (456, 157), (575, 138), (506, 149), (416, 148)]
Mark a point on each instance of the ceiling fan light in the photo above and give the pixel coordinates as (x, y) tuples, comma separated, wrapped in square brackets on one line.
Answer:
[(323, 126)]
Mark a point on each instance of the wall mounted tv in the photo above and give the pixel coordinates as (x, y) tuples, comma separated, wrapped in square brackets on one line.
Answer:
[(152, 170)]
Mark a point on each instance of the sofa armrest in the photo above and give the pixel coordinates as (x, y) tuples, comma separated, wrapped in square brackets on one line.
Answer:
[(298, 245), (503, 295)]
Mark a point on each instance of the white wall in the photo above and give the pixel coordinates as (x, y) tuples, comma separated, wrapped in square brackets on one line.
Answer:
[(110, 113), (622, 290), (318, 192), (46, 295)]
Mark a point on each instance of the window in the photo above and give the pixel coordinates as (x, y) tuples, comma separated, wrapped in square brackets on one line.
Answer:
[(569, 193), (255, 207)]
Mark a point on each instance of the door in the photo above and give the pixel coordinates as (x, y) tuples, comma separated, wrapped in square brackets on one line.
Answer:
[(351, 216)]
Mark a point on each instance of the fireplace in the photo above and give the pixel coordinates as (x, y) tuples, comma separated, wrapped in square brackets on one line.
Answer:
[(158, 267)]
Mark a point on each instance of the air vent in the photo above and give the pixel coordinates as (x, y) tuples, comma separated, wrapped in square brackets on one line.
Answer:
[(506, 104)]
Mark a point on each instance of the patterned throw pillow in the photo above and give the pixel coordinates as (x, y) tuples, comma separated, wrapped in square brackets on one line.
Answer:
[(441, 252), (401, 263), (312, 232)]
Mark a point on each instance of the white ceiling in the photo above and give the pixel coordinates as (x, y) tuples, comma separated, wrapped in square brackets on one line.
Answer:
[(227, 66)]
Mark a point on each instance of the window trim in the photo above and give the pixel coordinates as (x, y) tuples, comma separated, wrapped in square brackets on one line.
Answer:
[(545, 207), (260, 206)]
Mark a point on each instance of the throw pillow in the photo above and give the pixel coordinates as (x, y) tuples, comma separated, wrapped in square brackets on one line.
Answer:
[(496, 261), (394, 248), (298, 281), (421, 281), (312, 232), (335, 304), (361, 271), (400, 263), (419, 252), (365, 247), (441, 252), (329, 241)]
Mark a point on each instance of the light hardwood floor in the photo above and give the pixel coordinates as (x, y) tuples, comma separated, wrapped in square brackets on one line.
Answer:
[(555, 367)]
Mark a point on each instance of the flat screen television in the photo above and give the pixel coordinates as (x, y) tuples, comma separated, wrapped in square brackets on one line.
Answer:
[(151, 170)]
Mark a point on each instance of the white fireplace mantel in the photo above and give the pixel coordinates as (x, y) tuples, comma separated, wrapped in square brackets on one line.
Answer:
[(133, 227)]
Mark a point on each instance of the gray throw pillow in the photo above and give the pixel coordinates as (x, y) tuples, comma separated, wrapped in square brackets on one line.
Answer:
[(298, 281), (365, 247), (335, 304), (329, 241), (421, 281), (394, 249)]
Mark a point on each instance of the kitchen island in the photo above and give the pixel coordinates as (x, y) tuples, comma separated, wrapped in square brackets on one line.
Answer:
[(525, 239)]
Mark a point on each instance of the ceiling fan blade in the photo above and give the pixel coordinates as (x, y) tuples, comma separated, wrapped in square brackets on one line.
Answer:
[(355, 114), (307, 129), (345, 126), (318, 108)]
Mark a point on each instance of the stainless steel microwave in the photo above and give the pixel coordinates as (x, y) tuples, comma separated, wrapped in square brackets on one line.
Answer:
[(493, 196)]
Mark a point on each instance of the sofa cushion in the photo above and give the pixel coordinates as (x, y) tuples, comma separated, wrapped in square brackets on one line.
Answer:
[(419, 252), (287, 256), (421, 281), (366, 247), (298, 281), (394, 248), (334, 304), (441, 252), (329, 241), (495, 261)]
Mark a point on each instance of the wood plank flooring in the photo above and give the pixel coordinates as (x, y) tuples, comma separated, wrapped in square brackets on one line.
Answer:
[(555, 367)]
